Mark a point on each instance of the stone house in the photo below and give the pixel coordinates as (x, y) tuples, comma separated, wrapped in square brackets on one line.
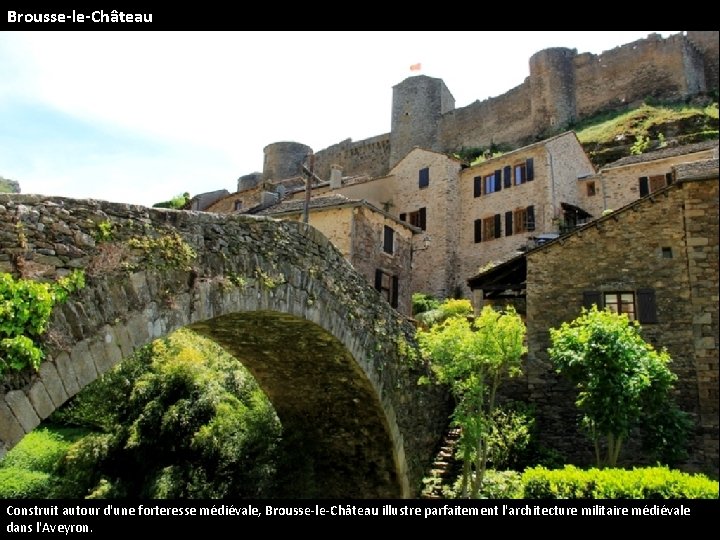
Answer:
[(515, 198), (667, 280), (627, 179), (376, 243)]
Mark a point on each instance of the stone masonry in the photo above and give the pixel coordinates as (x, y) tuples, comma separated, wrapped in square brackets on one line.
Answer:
[(331, 355)]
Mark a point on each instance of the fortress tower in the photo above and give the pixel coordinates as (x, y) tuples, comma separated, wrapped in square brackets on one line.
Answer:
[(283, 160), (418, 104), (552, 89)]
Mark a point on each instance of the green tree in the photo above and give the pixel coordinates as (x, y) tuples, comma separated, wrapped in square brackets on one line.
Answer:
[(473, 358), (620, 378), (180, 419)]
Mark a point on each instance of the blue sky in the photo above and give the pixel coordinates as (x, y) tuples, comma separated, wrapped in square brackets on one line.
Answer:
[(140, 117)]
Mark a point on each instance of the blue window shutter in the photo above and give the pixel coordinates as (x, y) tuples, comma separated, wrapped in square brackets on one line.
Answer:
[(507, 176), (530, 169), (424, 177), (644, 186)]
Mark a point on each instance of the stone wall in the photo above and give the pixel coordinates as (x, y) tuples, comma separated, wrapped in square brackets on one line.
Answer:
[(278, 294), (647, 245), (368, 157)]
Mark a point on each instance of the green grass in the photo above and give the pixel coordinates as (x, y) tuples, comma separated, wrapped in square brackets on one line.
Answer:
[(612, 127)]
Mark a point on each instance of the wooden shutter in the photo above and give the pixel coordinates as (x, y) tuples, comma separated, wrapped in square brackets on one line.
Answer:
[(424, 177), (498, 226), (403, 217), (388, 239), (498, 180), (423, 216), (668, 178), (592, 297), (530, 218), (644, 186), (507, 176), (378, 279), (508, 223), (394, 296), (646, 306), (477, 186), (478, 231), (529, 169)]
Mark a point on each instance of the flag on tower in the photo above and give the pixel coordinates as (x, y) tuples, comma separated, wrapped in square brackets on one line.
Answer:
[(415, 67)]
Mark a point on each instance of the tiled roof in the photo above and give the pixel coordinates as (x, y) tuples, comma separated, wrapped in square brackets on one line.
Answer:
[(297, 205)]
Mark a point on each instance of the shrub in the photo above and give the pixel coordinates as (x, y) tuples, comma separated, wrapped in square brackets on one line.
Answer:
[(639, 483)]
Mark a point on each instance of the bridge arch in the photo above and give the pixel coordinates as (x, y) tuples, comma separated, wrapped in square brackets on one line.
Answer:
[(333, 358)]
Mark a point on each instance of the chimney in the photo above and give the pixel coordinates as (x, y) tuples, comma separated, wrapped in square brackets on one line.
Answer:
[(335, 177)]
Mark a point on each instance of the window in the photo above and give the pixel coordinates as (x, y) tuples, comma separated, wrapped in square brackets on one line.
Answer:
[(523, 172), (621, 302), (590, 189), (424, 177), (667, 253), (524, 219), (650, 184), (418, 219), (638, 305), (388, 240), (478, 231), (387, 285), (238, 205), (491, 227), (403, 217), (489, 183)]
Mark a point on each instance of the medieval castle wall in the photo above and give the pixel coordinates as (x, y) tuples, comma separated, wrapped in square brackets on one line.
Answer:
[(562, 87)]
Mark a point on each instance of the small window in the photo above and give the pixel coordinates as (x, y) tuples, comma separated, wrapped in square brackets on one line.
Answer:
[(388, 240), (590, 189), (403, 217), (667, 253), (524, 219), (424, 177), (418, 219), (520, 174), (238, 205), (651, 184), (388, 286), (621, 302)]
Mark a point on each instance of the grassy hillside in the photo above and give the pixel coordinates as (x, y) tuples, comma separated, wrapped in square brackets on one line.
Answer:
[(9, 186), (613, 135)]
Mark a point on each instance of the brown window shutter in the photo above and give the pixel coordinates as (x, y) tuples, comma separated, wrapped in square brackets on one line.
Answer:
[(530, 169), (394, 298), (592, 297), (644, 186), (647, 307), (498, 226), (508, 223), (668, 178)]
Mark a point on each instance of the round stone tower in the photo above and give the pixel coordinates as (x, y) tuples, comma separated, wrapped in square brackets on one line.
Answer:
[(418, 104), (552, 89), (284, 160)]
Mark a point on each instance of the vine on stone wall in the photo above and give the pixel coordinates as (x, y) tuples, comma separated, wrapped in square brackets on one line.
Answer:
[(25, 308)]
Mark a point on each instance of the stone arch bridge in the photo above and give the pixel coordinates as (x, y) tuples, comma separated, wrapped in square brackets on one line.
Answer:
[(335, 360)]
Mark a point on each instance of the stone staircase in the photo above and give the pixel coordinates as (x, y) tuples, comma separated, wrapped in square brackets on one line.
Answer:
[(445, 468)]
